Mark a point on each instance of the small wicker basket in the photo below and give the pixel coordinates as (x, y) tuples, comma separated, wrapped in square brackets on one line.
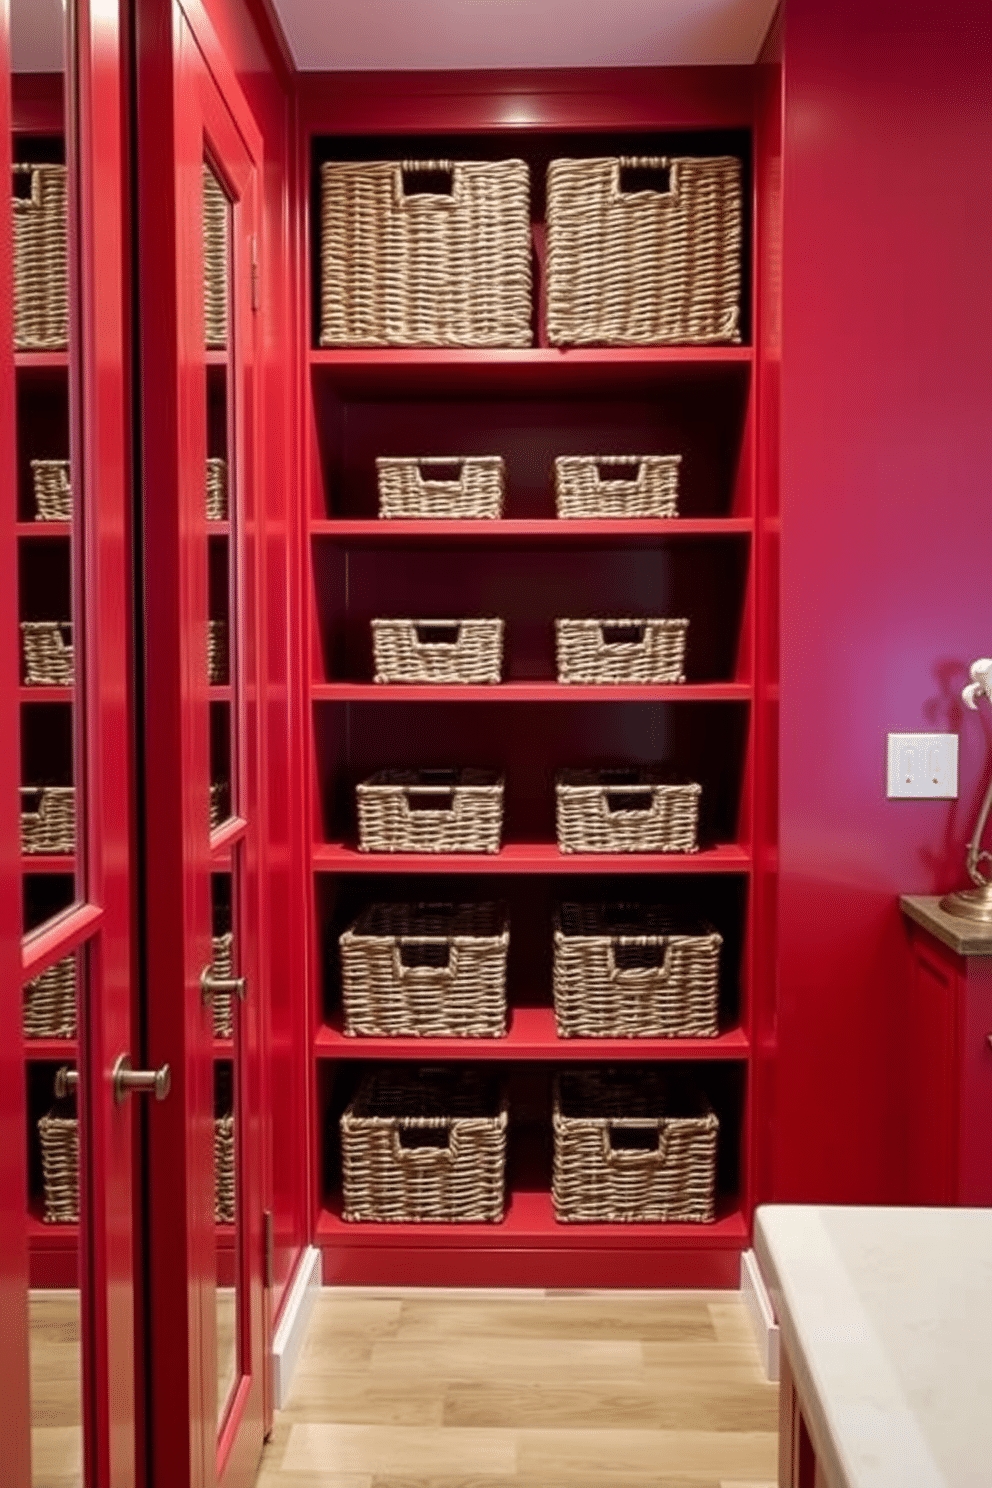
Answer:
[(48, 653), (425, 1145), (447, 266), (441, 487), (216, 489), (218, 661), (620, 650), (49, 1008), (615, 811), (438, 651), (620, 487), (221, 963), (41, 281), (644, 267), (224, 1184), (426, 970), (220, 802), (634, 971), (632, 1147), (430, 811), (48, 819), (58, 1134), (215, 255), (51, 481)]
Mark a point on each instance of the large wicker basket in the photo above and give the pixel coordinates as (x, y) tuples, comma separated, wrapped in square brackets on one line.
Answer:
[(48, 818), (425, 1145), (51, 481), (449, 266), (620, 487), (644, 267), (438, 650), (221, 964), (614, 811), (218, 663), (634, 971), (215, 254), (431, 811), (48, 653), (58, 1134), (620, 650), (426, 970), (441, 486), (49, 1007), (216, 489), (632, 1146), (41, 284)]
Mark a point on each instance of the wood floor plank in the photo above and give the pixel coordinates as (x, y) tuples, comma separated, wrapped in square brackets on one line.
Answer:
[(344, 1398), (614, 1456), (501, 1358), (398, 1449), (686, 1403), (583, 1318)]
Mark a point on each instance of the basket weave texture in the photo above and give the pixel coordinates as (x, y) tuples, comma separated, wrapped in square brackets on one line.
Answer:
[(438, 650), (441, 487), (632, 971), (439, 268), (51, 482), (216, 489), (221, 962), (48, 818), (58, 1135), (217, 653), (632, 1147), (215, 272), (430, 811), (220, 802), (48, 653), (41, 284), (49, 1008), (427, 1145), (617, 486), (608, 811), (644, 268), (620, 650), (426, 970), (224, 1189)]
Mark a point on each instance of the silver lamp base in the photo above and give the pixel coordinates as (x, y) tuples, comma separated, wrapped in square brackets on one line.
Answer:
[(970, 904)]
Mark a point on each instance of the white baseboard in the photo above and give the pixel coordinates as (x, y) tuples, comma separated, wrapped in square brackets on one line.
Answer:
[(754, 1295), (292, 1329)]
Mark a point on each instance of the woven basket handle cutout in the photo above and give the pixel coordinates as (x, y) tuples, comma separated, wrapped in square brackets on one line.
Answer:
[(433, 178), (410, 955), (411, 1142), (636, 1146), (26, 176), (437, 632), (65, 632), (619, 472), (438, 472), (630, 798), (622, 635), (430, 797), (645, 966), (32, 798), (638, 174)]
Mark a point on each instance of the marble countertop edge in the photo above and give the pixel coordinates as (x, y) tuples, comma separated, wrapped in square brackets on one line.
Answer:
[(966, 937)]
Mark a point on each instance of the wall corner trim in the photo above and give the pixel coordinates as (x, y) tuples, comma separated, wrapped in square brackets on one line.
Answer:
[(293, 1323), (754, 1295)]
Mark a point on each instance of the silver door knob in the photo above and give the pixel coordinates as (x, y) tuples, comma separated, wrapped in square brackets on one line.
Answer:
[(128, 1081), (213, 986), (66, 1082)]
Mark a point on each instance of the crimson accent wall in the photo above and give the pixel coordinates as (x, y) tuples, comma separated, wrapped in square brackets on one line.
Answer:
[(886, 457)]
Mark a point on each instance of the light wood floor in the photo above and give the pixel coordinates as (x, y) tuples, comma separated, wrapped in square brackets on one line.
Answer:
[(526, 1390), (56, 1410)]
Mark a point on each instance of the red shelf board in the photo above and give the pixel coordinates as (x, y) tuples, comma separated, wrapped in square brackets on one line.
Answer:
[(531, 1035), (218, 528), (42, 1236), (48, 863), (220, 692), (530, 692), (50, 1048), (530, 857), (223, 1048), (41, 694), (529, 1222), (29, 360), (378, 530), (44, 529)]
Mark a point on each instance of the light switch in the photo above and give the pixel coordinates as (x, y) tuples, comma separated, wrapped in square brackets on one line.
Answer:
[(923, 765)]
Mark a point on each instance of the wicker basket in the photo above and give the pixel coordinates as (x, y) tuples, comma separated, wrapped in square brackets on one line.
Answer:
[(48, 653), (215, 272), (48, 818), (445, 267), (612, 811), (426, 1145), (426, 970), (216, 489), (437, 650), (49, 1008), (51, 481), (633, 971), (620, 650), (217, 654), (41, 283), (224, 1187), (620, 487), (220, 802), (431, 811), (632, 1147), (442, 486), (58, 1134), (221, 962), (644, 267)]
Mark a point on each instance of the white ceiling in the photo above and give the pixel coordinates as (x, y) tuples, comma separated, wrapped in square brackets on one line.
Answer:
[(361, 35)]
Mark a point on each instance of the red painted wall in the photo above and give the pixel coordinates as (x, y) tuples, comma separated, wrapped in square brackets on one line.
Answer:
[(886, 457)]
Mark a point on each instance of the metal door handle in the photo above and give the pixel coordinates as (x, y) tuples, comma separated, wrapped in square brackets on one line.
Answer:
[(128, 1081), (66, 1081), (212, 986)]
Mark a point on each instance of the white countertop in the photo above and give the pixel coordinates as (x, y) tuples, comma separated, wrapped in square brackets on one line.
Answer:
[(886, 1316)]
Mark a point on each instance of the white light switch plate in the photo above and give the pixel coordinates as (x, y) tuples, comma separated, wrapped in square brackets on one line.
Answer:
[(923, 765)]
